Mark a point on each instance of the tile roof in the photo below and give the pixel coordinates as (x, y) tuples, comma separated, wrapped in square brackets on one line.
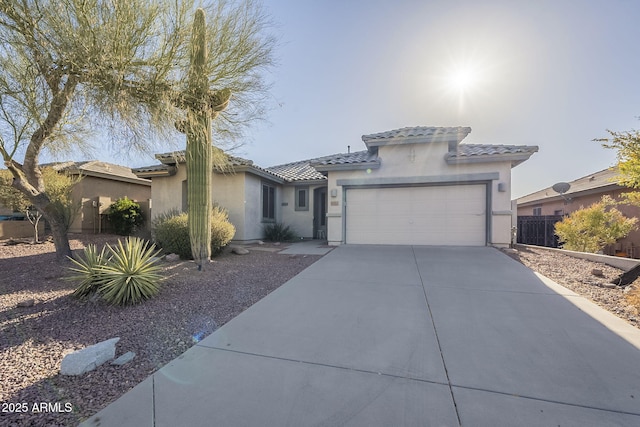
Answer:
[(471, 150), (429, 133), (174, 157), (308, 169), (96, 167), (603, 180)]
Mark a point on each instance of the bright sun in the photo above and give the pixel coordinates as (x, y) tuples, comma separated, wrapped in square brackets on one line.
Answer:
[(462, 79)]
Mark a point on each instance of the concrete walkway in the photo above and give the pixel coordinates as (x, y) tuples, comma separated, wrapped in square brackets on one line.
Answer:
[(402, 336)]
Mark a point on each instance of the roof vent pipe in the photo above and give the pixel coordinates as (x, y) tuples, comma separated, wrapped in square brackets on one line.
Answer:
[(348, 149)]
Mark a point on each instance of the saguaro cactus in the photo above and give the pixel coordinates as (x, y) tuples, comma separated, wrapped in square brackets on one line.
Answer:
[(201, 105)]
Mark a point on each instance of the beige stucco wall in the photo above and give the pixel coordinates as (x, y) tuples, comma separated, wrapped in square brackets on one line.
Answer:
[(300, 221), (92, 189), (18, 229), (166, 192), (254, 223), (228, 192), (425, 160), (239, 193)]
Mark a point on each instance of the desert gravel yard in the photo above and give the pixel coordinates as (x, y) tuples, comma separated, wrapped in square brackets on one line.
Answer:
[(34, 339), (190, 306)]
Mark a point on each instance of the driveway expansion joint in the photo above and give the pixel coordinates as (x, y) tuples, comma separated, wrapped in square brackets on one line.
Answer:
[(326, 365), (435, 330)]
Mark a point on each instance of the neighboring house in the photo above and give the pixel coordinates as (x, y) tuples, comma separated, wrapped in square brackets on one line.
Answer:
[(583, 192), (102, 184), (414, 185)]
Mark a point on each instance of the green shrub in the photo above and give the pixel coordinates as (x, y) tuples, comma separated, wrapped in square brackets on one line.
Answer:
[(592, 228), (222, 231), (131, 274), (87, 271), (278, 232), (125, 216), (171, 232), (122, 275)]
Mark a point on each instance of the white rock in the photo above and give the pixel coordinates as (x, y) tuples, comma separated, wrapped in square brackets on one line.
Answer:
[(88, 359), (125, 358), (239, 251)]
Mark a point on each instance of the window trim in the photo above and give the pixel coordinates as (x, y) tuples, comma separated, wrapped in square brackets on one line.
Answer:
[(270, 206), (296, 196)]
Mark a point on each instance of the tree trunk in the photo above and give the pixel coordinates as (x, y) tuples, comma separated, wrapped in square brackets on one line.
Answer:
[(57, 224)]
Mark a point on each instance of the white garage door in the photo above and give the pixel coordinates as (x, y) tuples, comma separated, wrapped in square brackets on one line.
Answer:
[(438, 215)]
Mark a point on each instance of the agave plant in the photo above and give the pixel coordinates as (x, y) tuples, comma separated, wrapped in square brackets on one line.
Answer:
[(87, 271), (131, 274)]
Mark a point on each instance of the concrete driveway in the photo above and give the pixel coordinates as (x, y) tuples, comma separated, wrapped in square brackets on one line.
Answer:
[(402, 336)]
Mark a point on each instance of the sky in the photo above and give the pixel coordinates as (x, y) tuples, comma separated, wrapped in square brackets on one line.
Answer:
[(556, 74)]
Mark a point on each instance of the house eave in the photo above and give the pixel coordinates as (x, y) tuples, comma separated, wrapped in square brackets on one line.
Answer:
[(307, 182), (347, 166), (138, 181), (258, 172), (571, 195), (156, 174), (514, 159)]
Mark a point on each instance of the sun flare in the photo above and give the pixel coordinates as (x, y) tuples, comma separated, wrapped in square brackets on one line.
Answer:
[(462, 79)]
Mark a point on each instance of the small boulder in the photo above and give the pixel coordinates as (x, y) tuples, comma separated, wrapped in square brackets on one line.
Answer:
[(260, 242), (172, 257), (239, 251), (125, 358), (597, 272), (27, 303), (88, 359)]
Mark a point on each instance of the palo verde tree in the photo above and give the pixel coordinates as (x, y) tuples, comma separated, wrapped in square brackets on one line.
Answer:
[(69, 66), (627, 144), (59, 187)]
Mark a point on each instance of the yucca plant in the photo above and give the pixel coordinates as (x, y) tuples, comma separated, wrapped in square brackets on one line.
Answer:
[(87, 271), (131, 274)]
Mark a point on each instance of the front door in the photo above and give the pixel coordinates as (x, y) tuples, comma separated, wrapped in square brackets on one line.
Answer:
[(320, 213)]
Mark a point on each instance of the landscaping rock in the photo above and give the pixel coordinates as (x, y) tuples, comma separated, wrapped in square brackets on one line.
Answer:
[(125, 358), (172, 257), (239, 251), (260, 242), (27, 303), (597, 272), (88, 359)]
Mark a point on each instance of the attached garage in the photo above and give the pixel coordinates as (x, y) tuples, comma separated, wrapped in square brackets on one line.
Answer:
[(417, 215)]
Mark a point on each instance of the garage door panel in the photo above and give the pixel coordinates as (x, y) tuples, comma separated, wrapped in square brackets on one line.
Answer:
[(438, 215)]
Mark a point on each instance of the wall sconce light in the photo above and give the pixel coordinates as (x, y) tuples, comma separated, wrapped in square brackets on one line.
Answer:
[(502, 187)]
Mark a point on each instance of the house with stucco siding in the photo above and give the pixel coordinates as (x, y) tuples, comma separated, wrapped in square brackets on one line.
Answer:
[(413, 186), (582, 192)]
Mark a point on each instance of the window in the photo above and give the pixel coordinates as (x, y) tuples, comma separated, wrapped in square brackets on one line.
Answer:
[(537, 211), (268, 202), (558, 212), (185, 188), (302, 198)]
